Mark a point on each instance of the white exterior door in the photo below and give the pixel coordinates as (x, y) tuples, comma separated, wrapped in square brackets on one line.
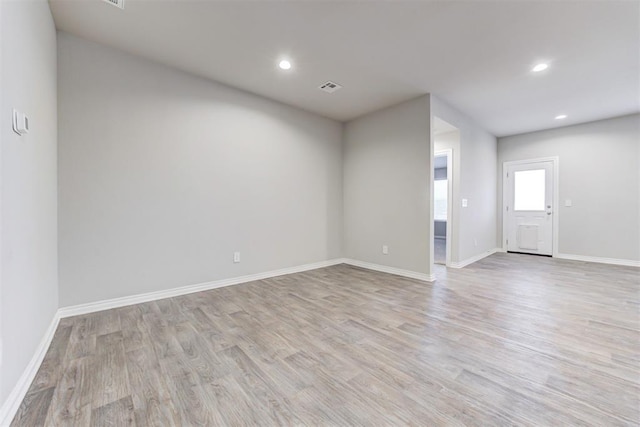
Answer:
[(529, 207)]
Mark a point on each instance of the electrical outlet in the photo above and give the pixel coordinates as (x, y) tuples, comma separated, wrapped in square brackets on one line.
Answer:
[(236, 257), (385, 249)]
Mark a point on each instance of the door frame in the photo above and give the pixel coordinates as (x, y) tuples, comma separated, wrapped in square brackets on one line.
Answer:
[(556, 198), (449, 241)]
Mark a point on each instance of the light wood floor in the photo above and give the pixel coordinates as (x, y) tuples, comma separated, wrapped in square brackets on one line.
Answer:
[(510, 340), (440, 251)]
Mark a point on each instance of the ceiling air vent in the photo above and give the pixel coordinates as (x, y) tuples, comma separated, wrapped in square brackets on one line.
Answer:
[(116, 3), (329, 87)]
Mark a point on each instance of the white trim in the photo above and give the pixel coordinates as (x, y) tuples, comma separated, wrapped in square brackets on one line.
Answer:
[(473, 259), (91, 307), (614, 261), (390, 270), (153, 296), (556, 198), (13, 401), (440, 237)]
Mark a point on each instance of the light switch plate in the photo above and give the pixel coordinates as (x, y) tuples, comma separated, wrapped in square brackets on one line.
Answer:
[(568, 203), (465, 203)]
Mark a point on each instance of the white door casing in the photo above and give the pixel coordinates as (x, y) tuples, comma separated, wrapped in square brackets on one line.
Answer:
[(529, 206)]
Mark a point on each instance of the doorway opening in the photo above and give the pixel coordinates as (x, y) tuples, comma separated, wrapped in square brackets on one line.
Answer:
[(446, 158), (441, 200), (530, 221)]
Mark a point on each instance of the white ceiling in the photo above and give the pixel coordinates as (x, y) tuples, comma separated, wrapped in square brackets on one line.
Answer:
[(475, 55)]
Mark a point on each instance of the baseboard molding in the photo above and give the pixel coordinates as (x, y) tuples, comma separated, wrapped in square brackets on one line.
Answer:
[(12, 404), (466, 262), (625, 262), (92, 307), (390, 270)]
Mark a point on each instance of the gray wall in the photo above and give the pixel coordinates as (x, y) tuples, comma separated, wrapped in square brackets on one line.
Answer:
[(474, 179), (29, 284), (599, 172), (387, 170), (164, 175)]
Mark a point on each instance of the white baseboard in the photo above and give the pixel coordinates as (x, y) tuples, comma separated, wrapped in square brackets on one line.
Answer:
[(390, 270), (92, 307), (12, 404), (626, 262), (466, 262)]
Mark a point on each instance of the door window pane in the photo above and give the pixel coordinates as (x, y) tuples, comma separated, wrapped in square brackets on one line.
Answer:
[(440, 199), (529, 190)]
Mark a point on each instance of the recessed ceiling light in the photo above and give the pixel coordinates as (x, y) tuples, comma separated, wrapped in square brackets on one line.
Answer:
[(285, 65), (561, 116), (540, 67)]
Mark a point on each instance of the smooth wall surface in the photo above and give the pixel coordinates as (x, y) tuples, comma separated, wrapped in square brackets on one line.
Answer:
[(474, 179), (600, 174), (163, 176), (387, 170), (29, 287)]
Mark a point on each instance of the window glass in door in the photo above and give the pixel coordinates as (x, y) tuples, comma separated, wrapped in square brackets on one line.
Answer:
[(440, 199), (529, 190)]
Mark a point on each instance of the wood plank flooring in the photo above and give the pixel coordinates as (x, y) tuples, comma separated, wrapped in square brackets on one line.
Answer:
[(440, 251), (509, 340)]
